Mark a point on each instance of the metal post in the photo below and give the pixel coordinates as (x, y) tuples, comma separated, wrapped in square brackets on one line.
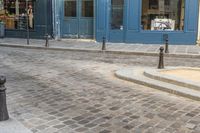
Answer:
[(166, 39), (104, 44), (47, 37), (27, 25), (161, 58), (3, 107)]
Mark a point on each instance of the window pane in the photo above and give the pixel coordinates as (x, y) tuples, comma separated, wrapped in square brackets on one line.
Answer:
[(117, 8), (70, 8), (87, 8), (163, 15), (13, 14)]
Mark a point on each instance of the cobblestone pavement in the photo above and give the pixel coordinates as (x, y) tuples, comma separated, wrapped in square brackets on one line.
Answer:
[(92, 45), (76, 92)]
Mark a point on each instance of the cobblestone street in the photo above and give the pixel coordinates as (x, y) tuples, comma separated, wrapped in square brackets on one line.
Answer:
[(76, 92)]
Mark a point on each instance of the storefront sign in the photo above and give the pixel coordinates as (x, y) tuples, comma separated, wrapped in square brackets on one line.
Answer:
[(162, 24)]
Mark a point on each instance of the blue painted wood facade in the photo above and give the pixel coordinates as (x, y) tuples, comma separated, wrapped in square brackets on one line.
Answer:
[(42, 21), (132, 32), (71, 27)]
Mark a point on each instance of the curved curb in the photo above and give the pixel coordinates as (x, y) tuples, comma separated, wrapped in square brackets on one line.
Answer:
[(138, 78), (125, 52), (173, 79)]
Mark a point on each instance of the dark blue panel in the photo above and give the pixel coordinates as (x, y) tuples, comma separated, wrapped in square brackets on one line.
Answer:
[(157, 38), (101, 19), (116, 36), (133, 15), (86, 27), (70, 27), (192, 14)]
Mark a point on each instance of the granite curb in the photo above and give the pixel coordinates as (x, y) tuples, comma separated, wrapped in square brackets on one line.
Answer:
[(124, 52), (136, 76), (154, 74)]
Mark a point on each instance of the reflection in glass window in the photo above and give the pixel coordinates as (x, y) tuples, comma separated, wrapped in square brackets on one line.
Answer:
[(13, 14), (117, 7), (70, 8), (163, 15), (87, 8)]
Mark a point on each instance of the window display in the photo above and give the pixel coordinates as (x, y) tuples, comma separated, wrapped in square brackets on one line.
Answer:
[(163, 15), (13, 13), (117, 14)]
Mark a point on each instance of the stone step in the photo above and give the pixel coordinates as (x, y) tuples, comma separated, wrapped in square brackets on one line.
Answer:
[(154, 74), (136, 76)]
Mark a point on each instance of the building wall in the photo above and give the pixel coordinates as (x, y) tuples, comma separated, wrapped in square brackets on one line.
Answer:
[(42, 21), (132, 31), (198, 35)]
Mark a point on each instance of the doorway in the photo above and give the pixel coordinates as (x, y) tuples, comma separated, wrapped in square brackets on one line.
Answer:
[(78, 19)]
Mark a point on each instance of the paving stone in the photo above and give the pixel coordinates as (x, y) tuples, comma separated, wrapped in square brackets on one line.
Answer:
[(55, 88), (190, 125), (105, 131), (105, 125), (90, 125), (78, 118), (81, 129), (59, 126), (42, 127), (63, 118), (69, 122), (83, 122)]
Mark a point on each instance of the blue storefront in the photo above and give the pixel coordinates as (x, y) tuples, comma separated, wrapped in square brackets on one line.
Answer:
[(23, 17), (129, 21)]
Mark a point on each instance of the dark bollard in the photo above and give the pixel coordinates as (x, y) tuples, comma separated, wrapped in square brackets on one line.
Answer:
[(104, 44), (166, 39), (47, 37), (3, 107), (161, 58)]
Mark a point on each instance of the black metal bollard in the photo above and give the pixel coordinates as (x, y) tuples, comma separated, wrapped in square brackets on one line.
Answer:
[(104, 44), (161, 58), (47, 37), (166, 39), (3, 106)]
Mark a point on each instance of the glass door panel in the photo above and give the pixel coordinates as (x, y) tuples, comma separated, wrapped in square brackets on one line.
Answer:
[(117, 14), (87, 8), (117, 8), (70, 8)]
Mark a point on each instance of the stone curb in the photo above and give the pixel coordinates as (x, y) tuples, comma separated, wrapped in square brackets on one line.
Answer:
[(166, 87), (126, 52), (172, 79)]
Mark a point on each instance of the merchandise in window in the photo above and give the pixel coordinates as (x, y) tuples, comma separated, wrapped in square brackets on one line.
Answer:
[(13, 13), (117, 14), (164, 15)]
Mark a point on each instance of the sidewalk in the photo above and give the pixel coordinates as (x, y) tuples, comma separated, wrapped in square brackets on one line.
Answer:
[(92, 46), (12, 126)]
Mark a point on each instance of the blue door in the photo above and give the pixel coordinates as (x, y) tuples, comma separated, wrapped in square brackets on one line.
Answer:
[(78, 19), (117, 17)]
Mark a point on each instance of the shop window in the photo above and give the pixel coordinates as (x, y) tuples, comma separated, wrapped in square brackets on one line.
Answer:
[(117, 11), (13, 13), (70, 8), (163, 15), (87, 8)]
